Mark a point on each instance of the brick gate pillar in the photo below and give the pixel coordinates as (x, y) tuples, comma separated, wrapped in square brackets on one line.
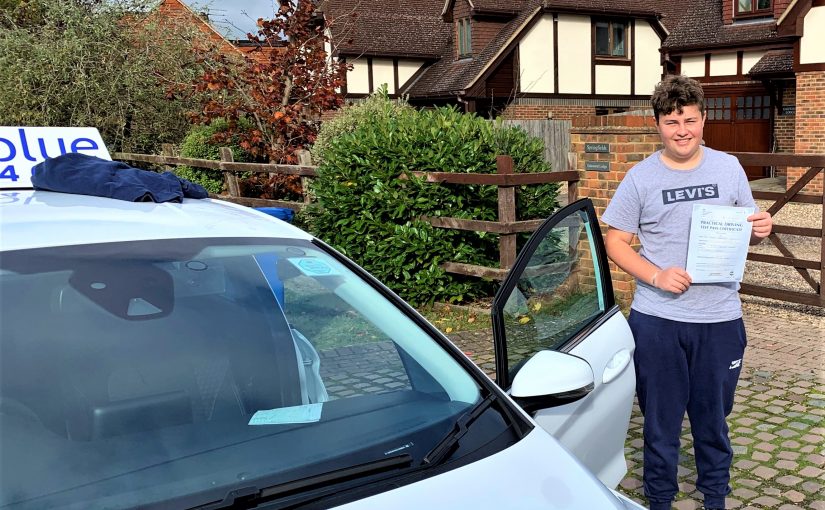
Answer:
[(606, 148), (810, 124)]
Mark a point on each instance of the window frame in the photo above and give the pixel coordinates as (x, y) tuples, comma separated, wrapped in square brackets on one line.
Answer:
[(611, 23), (754, 11), (464, 47)]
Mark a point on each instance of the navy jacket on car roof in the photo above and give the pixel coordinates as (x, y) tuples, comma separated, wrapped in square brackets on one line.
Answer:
[(90, 175)]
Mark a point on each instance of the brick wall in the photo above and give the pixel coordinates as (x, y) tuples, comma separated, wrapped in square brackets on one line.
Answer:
[(810, 124), (631, 138), (727, 11), (538, 112), (784, 129)]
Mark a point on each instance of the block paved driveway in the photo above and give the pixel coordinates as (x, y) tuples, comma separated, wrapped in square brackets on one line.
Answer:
[(778, 421)]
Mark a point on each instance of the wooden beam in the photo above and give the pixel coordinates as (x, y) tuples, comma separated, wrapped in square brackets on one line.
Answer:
[(258, 202), (494, 227), (498, 179), (793, 190), (779, 159), (264, 168), (782, 295), (804, 273), (797, 231), (231, 179), (799, 198), (506, 213), (784, 261), (473, 270)]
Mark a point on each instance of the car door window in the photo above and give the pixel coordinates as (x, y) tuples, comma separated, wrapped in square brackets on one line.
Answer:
[(557, 288)]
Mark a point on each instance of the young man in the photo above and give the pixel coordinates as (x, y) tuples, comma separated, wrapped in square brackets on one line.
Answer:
[(690, 338)]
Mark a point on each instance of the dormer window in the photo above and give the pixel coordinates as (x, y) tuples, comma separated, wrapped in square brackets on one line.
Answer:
[(465, 42), (752, 7), (611, 40)]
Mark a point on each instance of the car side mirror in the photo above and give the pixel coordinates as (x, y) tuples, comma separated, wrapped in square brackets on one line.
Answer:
[(551, 379)]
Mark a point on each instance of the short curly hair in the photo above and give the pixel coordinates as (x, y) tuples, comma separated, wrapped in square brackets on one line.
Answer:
[(674, 93)]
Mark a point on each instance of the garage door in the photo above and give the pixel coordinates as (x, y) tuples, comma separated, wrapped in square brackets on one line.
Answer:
[(740, 122)]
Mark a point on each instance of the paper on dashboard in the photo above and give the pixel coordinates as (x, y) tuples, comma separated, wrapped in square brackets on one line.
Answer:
[(718, 243)]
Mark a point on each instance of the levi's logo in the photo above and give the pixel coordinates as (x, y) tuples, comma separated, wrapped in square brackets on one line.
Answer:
[(670, 196)]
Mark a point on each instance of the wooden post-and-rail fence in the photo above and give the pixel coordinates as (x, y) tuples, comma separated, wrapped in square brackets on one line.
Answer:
[(507, 227)]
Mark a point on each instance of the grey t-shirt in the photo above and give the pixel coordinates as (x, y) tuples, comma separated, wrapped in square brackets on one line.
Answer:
[(655, 202)]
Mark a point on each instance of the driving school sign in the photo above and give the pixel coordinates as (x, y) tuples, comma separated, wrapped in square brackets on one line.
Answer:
[(21, 148)]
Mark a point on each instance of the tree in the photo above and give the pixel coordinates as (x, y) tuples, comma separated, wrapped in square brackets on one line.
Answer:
[(104, 64), (282, 88)]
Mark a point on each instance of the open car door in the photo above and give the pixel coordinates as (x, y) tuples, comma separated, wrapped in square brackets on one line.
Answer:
[(563, 348)]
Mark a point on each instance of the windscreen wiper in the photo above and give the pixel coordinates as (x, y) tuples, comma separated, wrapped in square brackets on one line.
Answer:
[(451, 440), (315, 487)]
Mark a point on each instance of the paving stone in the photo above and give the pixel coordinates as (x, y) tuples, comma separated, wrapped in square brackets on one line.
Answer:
[(795, 496), (793, 445), (810, 472), (789, 480), (732, 503), (786, 465), (739, 449), (761, 456), (818, 505), (745, 464), (786, 455), (764, 436), (764, 472), (742, 440), (766, 501), (768, 447), (810, 487), (819, 460), (786, 433), (744, 493), (631, 484), (686, 504)]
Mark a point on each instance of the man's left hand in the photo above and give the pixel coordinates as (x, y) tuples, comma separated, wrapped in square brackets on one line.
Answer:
[(762, 226)]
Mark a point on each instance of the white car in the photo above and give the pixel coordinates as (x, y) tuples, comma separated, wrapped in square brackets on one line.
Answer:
[(206, 355)]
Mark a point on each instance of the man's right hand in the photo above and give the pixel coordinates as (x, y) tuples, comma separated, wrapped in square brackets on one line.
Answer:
[(673, 279)]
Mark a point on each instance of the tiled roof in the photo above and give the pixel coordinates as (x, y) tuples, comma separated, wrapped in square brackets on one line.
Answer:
[(448, 75), (513, 6), (774, 61), (387, 27), (701, 26)]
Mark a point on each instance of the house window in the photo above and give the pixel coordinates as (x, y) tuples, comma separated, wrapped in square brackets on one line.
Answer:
[(745, 7), (611, 39), (753, 107), (465, 47)]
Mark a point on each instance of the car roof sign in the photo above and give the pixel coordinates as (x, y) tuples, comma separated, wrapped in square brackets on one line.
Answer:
[(21, 148)]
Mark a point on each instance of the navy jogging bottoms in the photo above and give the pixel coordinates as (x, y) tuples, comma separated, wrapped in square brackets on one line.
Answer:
[(693, 367)]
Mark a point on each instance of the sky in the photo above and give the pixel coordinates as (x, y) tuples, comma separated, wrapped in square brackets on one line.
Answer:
[(234, 18)]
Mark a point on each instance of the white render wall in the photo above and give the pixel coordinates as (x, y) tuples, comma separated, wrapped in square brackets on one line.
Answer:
[(406, 69), (383, 73), (612, 79), (723, 64), (693, 65), (358, 78), (812, 45), (647, 62), (536, 58), (574, 54), (749, 59)]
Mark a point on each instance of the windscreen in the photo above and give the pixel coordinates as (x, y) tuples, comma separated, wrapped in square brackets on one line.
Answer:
[(169, 371)]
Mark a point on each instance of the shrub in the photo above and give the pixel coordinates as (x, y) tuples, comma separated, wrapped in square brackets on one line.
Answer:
[(200, 143), (365, 211)]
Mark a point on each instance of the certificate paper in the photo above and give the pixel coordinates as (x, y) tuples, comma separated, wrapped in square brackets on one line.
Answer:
[(718, 244)]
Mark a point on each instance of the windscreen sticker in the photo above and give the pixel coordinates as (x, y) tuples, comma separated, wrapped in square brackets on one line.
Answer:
[(309, 413), (313, 267)]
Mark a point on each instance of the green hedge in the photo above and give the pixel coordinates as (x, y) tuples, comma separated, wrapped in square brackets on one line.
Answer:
[(200, 144), (365, 211)]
